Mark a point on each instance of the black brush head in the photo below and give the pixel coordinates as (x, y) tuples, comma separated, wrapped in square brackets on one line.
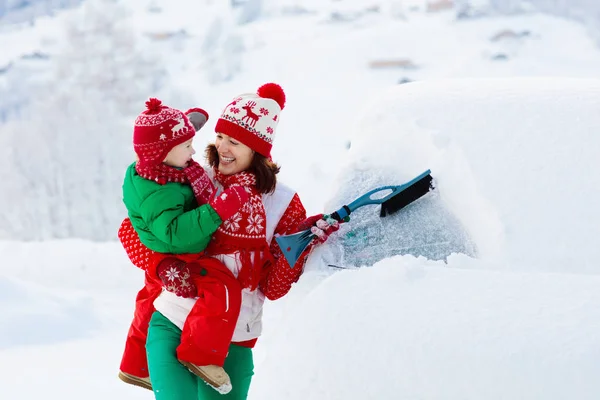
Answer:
[(407, 196)]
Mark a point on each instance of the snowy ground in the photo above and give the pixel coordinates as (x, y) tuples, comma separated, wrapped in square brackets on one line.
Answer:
[(65, 305), (405, 328), (515, 163), (409, 329)]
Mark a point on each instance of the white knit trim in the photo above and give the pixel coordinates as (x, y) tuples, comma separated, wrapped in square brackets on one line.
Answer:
[(276, 204)]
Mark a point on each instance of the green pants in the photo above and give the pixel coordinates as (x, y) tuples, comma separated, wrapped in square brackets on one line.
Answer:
[(173, 381)]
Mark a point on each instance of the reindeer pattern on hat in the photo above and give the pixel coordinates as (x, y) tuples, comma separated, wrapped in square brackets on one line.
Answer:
[(255, 122), (178, 128), (252, 118)]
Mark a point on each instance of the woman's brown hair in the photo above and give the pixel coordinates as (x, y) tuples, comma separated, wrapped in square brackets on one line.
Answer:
[(265, 170)]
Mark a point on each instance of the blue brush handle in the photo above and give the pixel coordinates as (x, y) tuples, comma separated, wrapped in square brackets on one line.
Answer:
[(367, 199)]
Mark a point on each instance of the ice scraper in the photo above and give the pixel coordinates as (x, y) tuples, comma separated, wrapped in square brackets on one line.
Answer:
[(391, 198)]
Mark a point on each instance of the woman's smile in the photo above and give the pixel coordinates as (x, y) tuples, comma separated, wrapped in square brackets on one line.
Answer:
[(226, 160)]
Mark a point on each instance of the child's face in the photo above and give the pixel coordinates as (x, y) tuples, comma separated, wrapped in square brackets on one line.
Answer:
[(180, 155), (234, 156)]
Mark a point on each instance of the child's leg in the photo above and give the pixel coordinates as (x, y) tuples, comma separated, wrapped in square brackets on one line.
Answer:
[(240, 367), (170, 379), (209, 327), (134, 357)]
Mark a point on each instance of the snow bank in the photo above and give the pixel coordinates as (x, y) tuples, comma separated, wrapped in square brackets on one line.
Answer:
[(411, 329), (31, 315), (72, 265), (66, 307)]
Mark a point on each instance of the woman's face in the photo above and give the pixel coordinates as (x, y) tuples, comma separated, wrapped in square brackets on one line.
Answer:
[(234, 156)]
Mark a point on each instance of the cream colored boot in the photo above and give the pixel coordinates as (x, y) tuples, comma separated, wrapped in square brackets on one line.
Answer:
[(135, 380), (213, 375)]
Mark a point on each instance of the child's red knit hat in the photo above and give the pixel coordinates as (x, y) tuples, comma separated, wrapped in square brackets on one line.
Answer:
[(158, 129)]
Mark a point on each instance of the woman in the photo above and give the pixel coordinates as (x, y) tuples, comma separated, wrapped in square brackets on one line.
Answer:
[(244, 243)]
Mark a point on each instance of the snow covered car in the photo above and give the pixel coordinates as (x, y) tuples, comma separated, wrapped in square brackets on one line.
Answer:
[(425, 227), (510, 161)]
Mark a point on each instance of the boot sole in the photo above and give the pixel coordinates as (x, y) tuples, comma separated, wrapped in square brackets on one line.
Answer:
[(223, 389), (135, 381)]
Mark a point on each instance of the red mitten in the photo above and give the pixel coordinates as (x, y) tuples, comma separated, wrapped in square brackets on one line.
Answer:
[(140, 255), (324, 228), (320, 225), (230, 201), (308, 222), (176, 277)]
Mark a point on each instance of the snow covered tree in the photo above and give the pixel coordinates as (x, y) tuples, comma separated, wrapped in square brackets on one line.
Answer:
[(249, 10), (586, 11), (15, 11), (223, 45), (102, 56), (67, 161)]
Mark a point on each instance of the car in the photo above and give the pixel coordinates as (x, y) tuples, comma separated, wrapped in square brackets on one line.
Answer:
[(514, 165)]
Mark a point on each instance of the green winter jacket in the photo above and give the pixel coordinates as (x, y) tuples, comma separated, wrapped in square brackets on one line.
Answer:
[(167, 217)]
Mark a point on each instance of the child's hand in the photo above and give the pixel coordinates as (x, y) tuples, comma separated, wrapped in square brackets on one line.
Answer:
[(176, 277), (230, 201)]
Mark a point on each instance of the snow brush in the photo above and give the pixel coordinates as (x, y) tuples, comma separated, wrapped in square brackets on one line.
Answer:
[(400, 196)]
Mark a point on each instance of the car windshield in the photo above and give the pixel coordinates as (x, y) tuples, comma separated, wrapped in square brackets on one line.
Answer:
[(424, 228)]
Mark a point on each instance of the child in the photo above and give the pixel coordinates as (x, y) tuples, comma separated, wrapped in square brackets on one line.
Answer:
[(172, 207)]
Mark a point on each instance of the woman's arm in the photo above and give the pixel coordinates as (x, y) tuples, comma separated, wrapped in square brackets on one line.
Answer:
[(279, 277), (139, 255)]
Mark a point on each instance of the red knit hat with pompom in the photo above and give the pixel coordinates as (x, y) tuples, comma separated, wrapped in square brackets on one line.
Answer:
[(252, 118), (157, 130)]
